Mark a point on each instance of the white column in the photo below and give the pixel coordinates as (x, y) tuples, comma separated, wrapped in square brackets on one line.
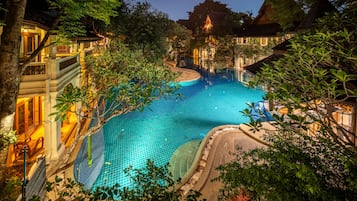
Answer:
[(53, 145), (82, 53)]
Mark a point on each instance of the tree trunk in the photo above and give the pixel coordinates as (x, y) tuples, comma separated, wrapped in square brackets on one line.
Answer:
[(354, 124), (10, 73)]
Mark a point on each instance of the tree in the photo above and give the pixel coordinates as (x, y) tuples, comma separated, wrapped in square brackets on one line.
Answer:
[(288, 13), (311, 168), (312, 156), (121, 81), (224, 19), (179, 39), (68, 16), (141, 28), (223, 57), (150, 183)]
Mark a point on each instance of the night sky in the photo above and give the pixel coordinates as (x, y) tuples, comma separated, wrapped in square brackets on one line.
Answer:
[(177, 9)]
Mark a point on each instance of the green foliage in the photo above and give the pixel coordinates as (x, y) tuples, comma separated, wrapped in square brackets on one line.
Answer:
[(73, 15), (222, 25), (150, 183), (67, 189), (7, 137), (11, 189), (179, 39), (121, 81), (224, 52), (66, 100), (295, 167), (143, 29), (287, 12), (318, 67), (317, 73)]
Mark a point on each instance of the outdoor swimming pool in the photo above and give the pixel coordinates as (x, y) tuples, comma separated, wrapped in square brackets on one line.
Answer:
[(162, 127)]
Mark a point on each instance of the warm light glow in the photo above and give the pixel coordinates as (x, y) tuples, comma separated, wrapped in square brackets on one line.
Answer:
[(20, 100), (208, 25)]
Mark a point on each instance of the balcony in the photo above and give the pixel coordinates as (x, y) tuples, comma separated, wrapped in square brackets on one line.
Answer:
[(42, 77)]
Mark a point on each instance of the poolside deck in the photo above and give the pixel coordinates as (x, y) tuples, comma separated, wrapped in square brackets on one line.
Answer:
[(186, 74), (216, 150)]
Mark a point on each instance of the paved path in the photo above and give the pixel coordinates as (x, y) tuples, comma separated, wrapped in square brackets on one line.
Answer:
[(223, 147)]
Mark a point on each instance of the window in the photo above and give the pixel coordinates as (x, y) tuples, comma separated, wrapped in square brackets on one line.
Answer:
[(244, 40), (29, 44), (25, 114), (264, 41), (240, 40)]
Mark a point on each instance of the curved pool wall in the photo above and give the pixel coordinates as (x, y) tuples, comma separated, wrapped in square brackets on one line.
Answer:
[(189, 83), (186, 83), (166, 124), (82, 172)]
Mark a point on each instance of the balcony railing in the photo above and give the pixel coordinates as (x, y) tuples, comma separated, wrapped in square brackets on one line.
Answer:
[(66, 62), (41, 76), (35, 68)]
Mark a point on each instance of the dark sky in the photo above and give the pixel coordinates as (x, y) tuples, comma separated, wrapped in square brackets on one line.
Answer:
[(177, 9)]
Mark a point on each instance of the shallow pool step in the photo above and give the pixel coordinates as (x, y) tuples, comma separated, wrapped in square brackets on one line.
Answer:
[(182, 158)]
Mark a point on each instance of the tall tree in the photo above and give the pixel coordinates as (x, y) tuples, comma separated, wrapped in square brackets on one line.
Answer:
[(312, 156), (224, 19), (142, 28), (223, 57), (288, 13), (68, 16), (179, 39)]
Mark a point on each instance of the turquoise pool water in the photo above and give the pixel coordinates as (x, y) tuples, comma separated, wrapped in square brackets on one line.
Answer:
[(162, 127)]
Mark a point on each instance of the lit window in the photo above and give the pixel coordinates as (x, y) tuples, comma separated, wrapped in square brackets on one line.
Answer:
[(239, 40), (264, 41)]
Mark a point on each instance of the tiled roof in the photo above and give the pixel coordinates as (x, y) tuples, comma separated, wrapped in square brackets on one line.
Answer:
[(259, 30), (284, 46), (256, 67)]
